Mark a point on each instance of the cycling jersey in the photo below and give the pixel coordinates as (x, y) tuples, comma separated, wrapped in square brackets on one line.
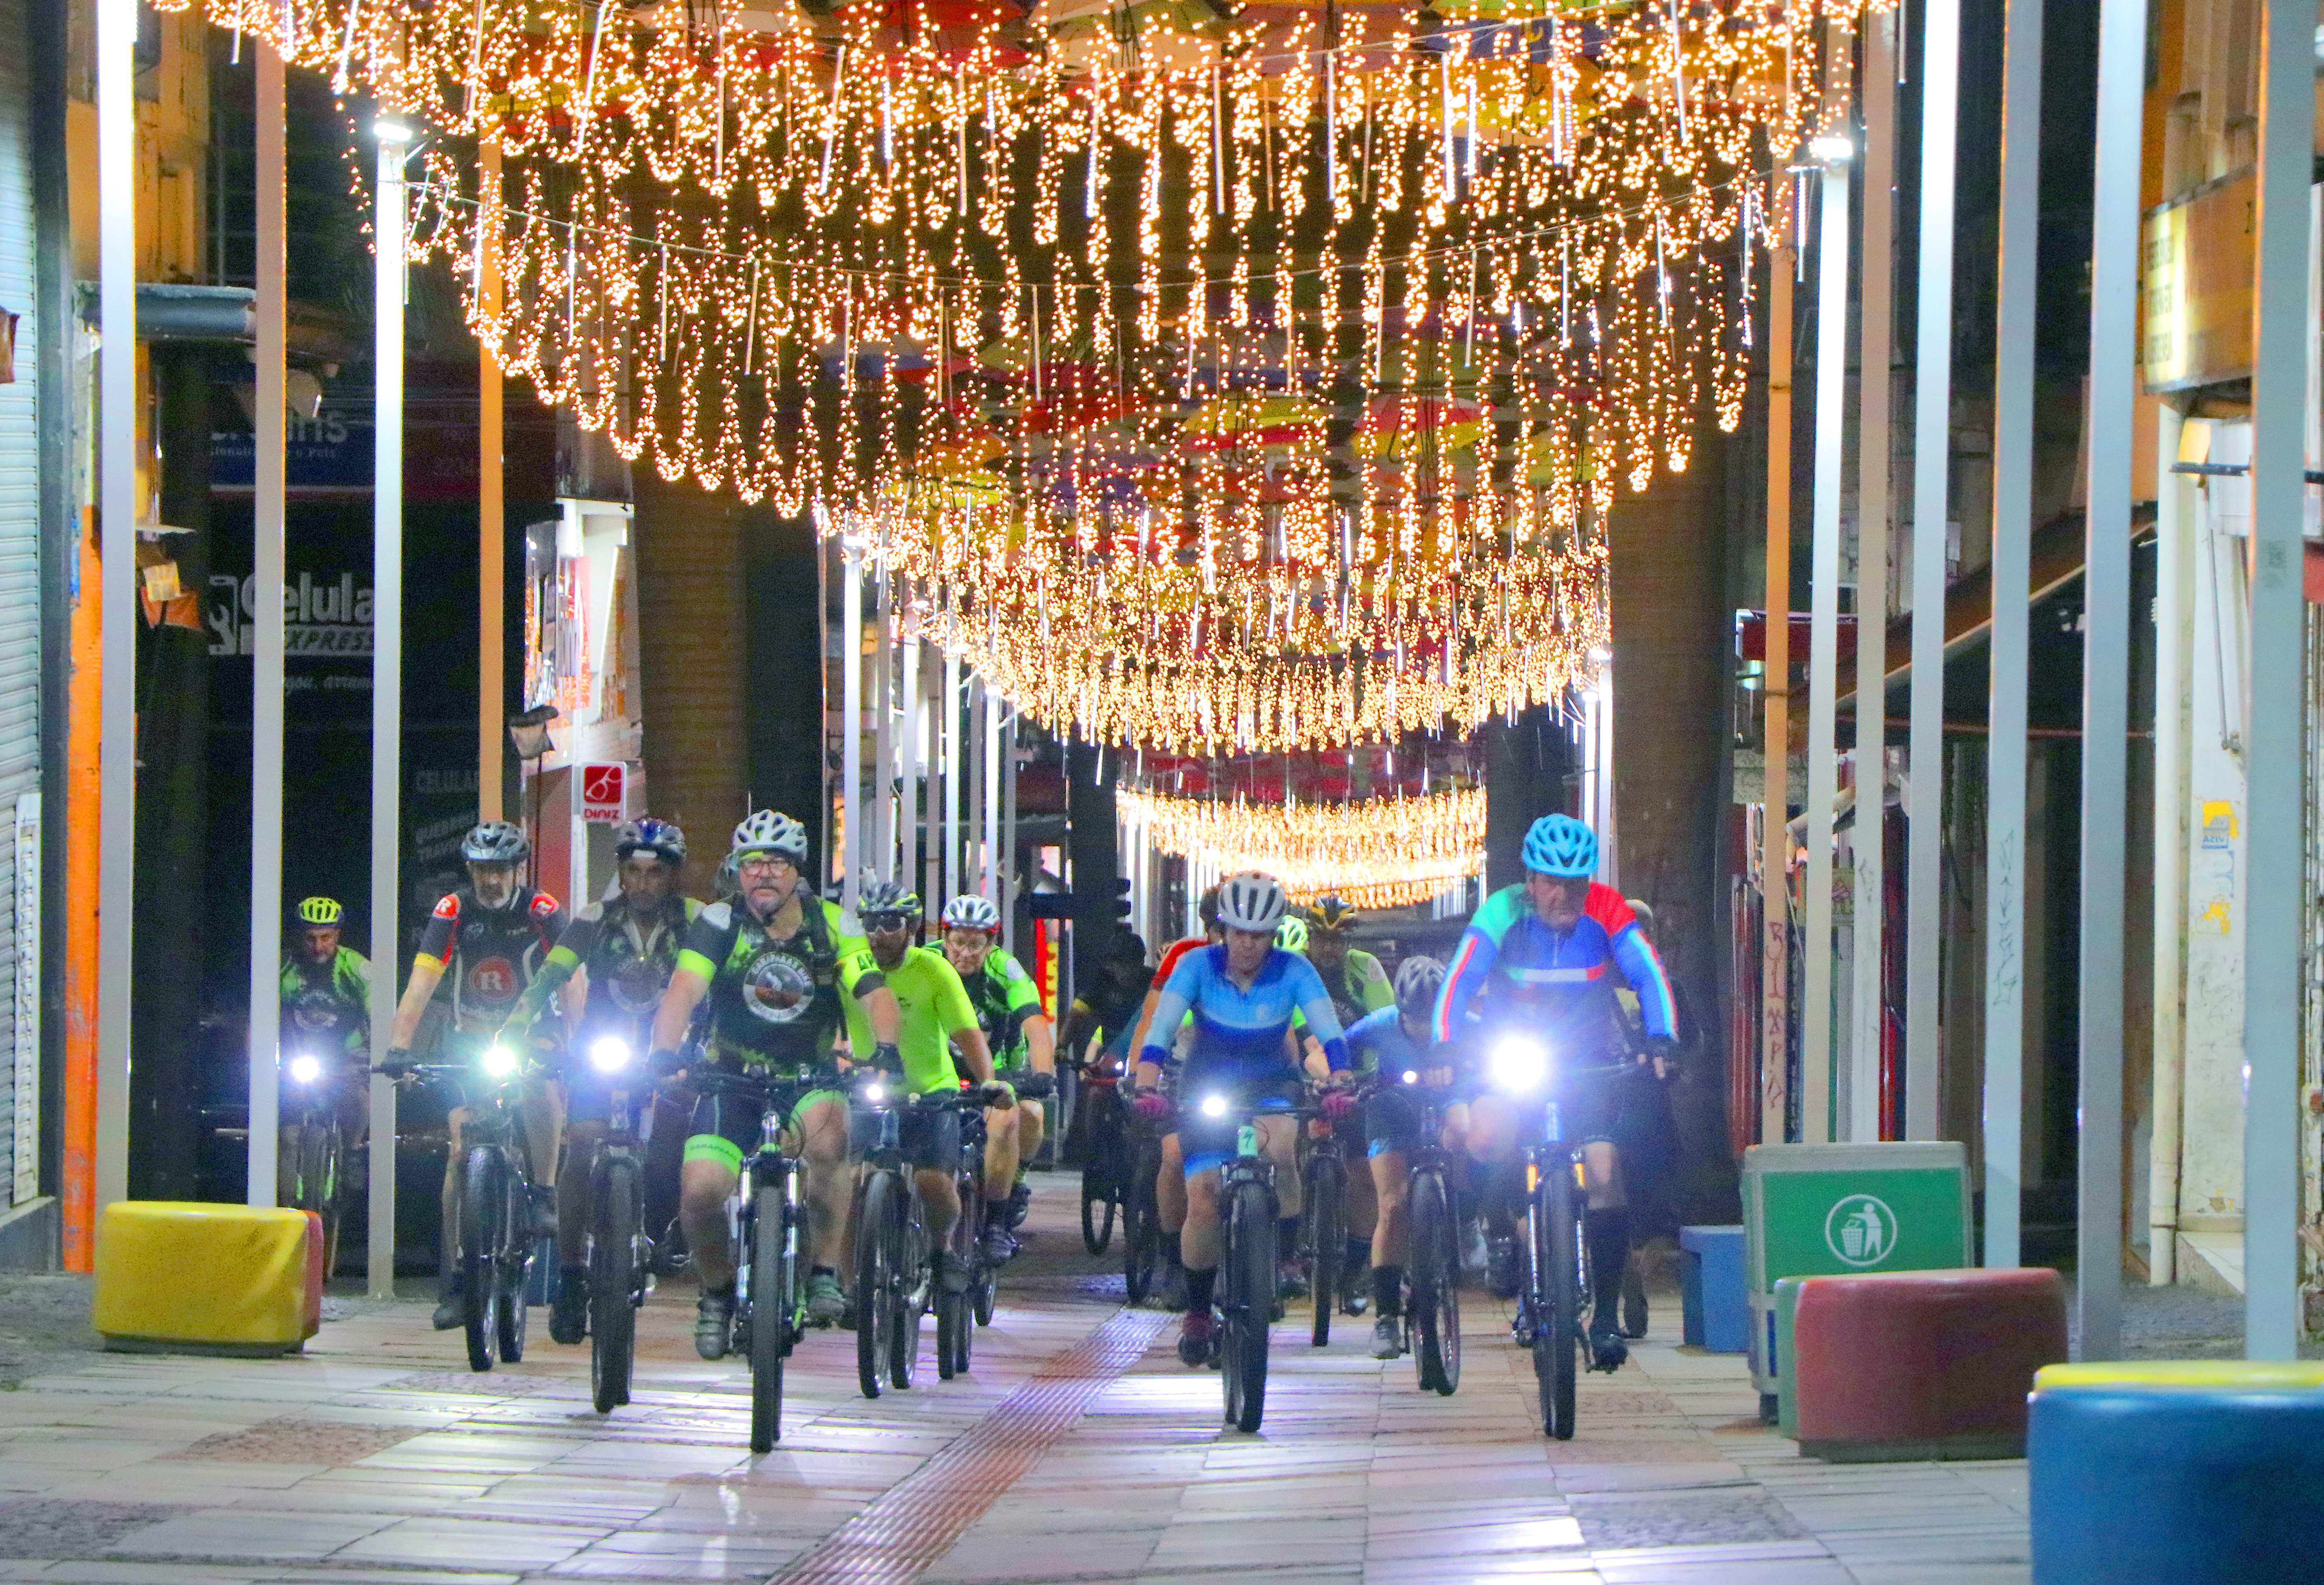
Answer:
[(489, 955), (935, 1007), (1515, 969), (1377, 1043), (1241, 1031), (628, 958), (1361, 986), (776, 1002), (326, 1006), (1005, 998)]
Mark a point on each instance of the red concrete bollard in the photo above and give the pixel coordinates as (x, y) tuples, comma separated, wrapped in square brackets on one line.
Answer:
[(1922, 1364)]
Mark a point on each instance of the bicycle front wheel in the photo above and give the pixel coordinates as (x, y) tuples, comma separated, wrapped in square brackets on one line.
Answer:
[(612, 1322), (1098, 1194), (1248, 1269), (480, 1292), (908, 1260), (1557, 1295), (513, 1264), (1435, 1287), (773, 1284), (874, 1309), (1326, 1192)]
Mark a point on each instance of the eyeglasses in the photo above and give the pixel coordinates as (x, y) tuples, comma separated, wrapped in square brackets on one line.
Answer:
[(886, 923), (764, 864)]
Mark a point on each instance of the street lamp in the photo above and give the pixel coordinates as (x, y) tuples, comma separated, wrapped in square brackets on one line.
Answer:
[(529, 733)]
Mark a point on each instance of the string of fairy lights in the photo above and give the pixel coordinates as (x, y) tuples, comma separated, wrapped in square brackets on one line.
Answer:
[(1378, 853)]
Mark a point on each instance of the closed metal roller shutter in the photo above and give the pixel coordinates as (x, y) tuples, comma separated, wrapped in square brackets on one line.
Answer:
[(20, 616)]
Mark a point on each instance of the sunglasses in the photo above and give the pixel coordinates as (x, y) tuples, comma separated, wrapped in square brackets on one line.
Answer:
[(887, 923)]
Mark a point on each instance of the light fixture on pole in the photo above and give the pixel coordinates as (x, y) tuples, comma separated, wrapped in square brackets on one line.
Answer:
[(529, 730)]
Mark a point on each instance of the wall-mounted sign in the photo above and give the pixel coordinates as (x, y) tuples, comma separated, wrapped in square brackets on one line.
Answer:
[(2196, 279), (602, 790)]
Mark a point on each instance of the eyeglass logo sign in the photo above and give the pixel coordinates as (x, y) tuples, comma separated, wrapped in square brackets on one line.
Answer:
[(1860, 1231)]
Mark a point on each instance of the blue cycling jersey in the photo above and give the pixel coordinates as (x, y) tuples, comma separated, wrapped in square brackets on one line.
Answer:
[(1515, 968), (1377, 1043), (1239, 1029)]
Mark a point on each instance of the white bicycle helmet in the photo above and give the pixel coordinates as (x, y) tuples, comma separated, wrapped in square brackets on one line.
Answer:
[(972, 912), (1250, 900), (1418, 980), (768, 832)]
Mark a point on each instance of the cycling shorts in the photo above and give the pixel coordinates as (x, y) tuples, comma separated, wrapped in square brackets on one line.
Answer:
[(928, 1136), (728, 1128), (1208, 1143)]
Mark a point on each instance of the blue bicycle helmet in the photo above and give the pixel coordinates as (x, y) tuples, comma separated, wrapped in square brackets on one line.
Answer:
[(1558, 844)]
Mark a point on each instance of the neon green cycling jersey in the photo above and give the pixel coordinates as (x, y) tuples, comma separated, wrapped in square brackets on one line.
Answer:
[(1005, 998), (936, 1007), (326, 1007), (777, 1001)]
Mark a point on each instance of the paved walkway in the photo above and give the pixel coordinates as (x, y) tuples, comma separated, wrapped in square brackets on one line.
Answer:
[(1078, 1449)]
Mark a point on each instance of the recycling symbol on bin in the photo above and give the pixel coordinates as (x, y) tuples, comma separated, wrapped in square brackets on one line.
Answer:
[(1860, 1231)]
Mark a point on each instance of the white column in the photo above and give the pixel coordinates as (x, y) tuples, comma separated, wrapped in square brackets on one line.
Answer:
[(2013, 527), (117, 510), (850, 709), (2106, 668), (1823, 643), (1775, 857), (908, 759), (881, 857), (269, 447), (996, 862), (1872, 474), (387, 681), (2273, 747), (949, 707), (1933, 395), (2174, 607), (1008, 898), (492, 511)]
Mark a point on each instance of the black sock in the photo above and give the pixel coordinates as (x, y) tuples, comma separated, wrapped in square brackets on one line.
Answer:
[(1387, 1289), (1606, 1234), (1199, 1285), (822, 1271), (1358, 1251), (1170, 1249), (1287, 1236)]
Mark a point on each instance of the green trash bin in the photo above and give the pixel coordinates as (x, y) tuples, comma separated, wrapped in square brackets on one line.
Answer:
[(1828, 1210)]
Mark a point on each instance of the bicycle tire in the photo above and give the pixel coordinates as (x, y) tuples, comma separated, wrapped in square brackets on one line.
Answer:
[(1435, 1287), (1250, 1263), (1141, 1238), (874, 1318), (772, 1290), (907, 1258), (612, 1322), (984, 1290), (480, 1284), (1557, 1291), (331, 1160), (1097, 1190), (1326, 1188), (515, 1262)]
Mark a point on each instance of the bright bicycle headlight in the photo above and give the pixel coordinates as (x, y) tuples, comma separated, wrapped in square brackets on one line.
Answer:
[(1519, 1064), (306, 1068), (1411, 1076), (499, 1061), (875, 1094), (1214, 1106), (610, 1053)]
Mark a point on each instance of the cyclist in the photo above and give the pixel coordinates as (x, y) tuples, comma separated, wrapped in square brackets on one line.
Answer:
[(488, 938), (773, 964), (1024, 1055), (1391, 1043), (326, 985), (1358, 984), (938, 1014), (1107, 1010), (1242, 995), (1170, 1182), (1536, 956), (625, 949)]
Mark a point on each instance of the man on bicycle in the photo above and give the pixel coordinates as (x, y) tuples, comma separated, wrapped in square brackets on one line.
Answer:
[(938, 1014), (1535, 958), (1358, 984), (1170, 1180), (1024, 1055), (774, 965), (488, 938), (1390, 1044), (625, 950), (325, 986), (1241, 996)]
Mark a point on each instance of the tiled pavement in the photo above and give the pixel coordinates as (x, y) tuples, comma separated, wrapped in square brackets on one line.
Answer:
[(1075, 1451)]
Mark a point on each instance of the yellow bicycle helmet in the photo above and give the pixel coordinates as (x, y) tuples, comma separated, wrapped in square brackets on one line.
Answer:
[(319, 911), (1291, 934)]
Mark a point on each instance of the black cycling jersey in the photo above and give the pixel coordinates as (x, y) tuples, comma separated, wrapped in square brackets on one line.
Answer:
[(776, 1001), (488, 956)]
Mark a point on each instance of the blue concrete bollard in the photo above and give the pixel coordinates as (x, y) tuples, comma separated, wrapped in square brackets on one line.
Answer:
[(1715, 1308)]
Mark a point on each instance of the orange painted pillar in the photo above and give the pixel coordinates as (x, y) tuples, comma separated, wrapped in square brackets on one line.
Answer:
[(83, 798)]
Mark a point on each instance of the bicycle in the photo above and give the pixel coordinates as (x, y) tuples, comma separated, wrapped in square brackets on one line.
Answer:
[(1323, 1177), (496, 1219), (620, 1256), (958, 1315), (1142, 1213), (893, 1266), (1105, 1162), (766, 1226), (312, 1152), (1246, 1263), (1432, 1304)]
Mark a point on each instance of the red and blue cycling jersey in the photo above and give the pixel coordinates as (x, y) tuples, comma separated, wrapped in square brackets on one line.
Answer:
[(1510, 967), (1243, 1031)]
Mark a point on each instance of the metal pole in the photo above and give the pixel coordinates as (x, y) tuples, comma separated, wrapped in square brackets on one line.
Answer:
[(2174, 580), (492, 512), (116, 186), (882, 857), (1823, 645), (1933, 395), (386, 682), (932, 741), (2287, 114), (1008, 898), (2013, 527), (851, 720), (907, 756), (1775, 903), (271, 451), (1873, 468), (2106, 668), (950, 728)]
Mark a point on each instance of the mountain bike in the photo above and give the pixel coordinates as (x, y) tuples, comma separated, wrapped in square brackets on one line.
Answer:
[(312, 1152), (1106, 1162), (1432, 1306), (496, 1228), (620, 1255), (766, 1228), (1323, 1176), (1141, 1216), (1248, 1208), (958, 1315), (894, 1272)]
